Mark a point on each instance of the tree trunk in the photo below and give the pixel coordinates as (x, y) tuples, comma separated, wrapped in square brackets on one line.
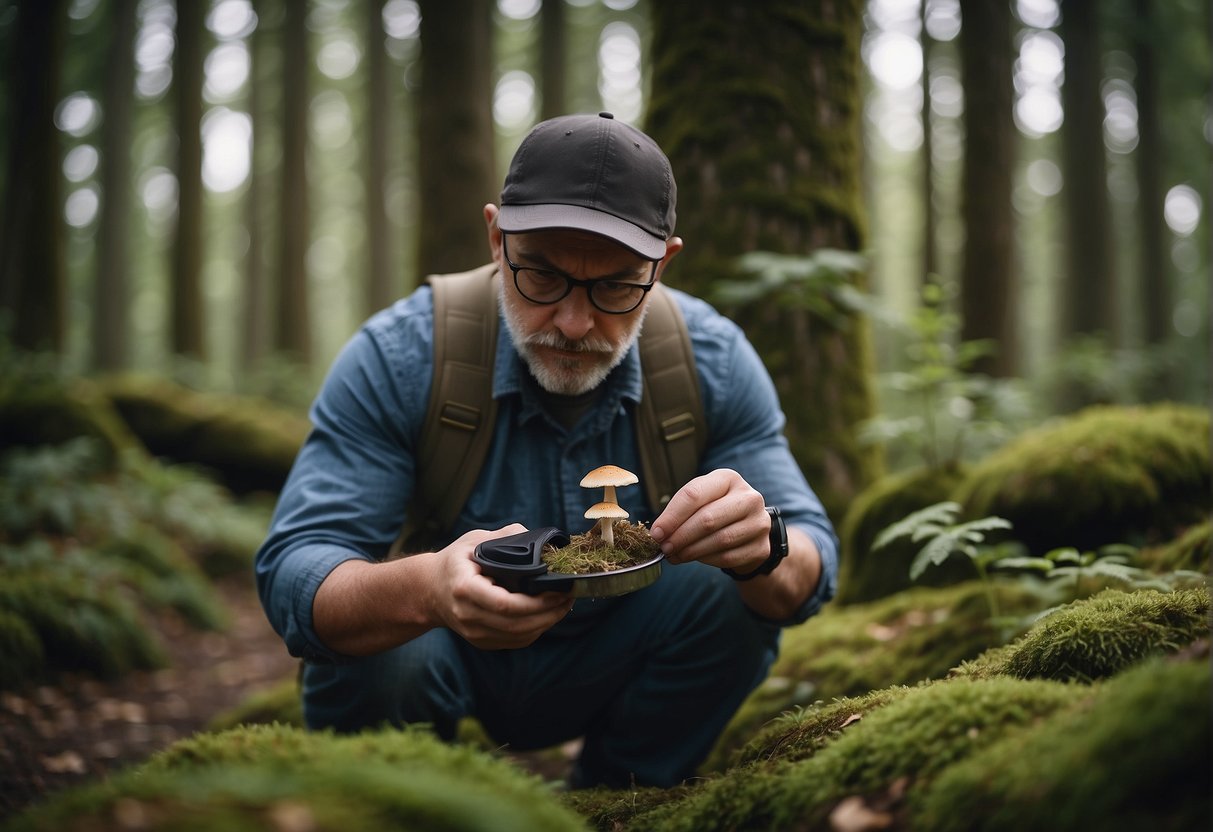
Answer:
[(32, 271), (381, 288), (112, 288), (1090, 286), (553, 39), (1154, 283), (455, 134), (930, 250), (988, 291), (758, 107), (186, 303), (253, 341), (292, 336)]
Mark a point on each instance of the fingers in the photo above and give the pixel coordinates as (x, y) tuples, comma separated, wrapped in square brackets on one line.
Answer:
[(717, 518)]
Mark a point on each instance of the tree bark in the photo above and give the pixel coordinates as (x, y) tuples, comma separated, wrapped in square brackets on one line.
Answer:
[(988, 291), (1090, 287), (758, 107), (930, 250), (112, 287), (553, 40), (457, 173), (32, 271), (292, 335), (381, 288), (253, 341), (186, 304), (1154, 283)]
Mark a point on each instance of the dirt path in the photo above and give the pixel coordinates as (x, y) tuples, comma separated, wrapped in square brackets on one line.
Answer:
[(81, 729)]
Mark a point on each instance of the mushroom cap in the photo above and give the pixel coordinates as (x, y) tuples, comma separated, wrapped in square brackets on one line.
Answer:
[(600, 510), (608, 475)]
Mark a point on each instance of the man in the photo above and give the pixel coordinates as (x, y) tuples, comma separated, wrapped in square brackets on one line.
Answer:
[(649, 679)]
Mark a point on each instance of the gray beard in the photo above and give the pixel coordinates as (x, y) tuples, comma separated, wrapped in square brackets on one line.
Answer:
[(567, 378)]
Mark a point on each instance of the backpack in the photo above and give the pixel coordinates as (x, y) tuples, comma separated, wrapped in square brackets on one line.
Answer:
[(458, 427)]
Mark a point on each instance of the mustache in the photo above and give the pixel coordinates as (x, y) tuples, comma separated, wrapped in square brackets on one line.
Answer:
[(554, 340)]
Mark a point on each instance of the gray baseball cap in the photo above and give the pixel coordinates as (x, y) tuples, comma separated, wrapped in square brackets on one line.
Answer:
[(592, 173)]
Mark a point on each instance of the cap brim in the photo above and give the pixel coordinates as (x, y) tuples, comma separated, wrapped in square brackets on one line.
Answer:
[(517, 219)]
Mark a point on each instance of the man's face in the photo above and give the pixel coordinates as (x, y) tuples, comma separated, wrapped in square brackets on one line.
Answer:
[(570, 346)]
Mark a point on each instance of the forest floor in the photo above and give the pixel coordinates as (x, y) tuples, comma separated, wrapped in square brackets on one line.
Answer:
[(82, 729)]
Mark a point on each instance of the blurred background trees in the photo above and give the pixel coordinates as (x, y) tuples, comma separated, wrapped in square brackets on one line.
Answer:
[(222, 190)]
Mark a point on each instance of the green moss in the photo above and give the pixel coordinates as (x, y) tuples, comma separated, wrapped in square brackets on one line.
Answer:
[(1101, 636), (906, 741), (281, 704), (51, 411), (906, 638), (1135, 756), (586, 553), (249, 442), (865, 575), (1191, 551), (1106, 475)]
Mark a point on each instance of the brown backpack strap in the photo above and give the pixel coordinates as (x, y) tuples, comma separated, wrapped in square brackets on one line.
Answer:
[(671, 429), (459, 421)]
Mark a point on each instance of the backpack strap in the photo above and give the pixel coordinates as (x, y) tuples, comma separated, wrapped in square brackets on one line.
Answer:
[(459, 421), (671, 430)]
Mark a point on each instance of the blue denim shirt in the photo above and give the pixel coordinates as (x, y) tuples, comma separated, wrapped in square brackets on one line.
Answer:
[(353, 480)]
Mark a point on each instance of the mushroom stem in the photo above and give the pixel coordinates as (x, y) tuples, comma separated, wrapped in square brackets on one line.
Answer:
[(608, 495), (608, 531)]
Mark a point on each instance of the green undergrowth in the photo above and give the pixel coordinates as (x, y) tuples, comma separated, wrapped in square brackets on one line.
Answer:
[(283, 778), (1191, 551), (281, 703), (92, 554)]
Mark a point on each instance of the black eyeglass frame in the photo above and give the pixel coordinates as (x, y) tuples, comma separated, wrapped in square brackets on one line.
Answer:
[(570, 282)]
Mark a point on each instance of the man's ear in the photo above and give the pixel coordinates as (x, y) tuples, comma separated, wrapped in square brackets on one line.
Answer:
[(490, 222), (672, 247)]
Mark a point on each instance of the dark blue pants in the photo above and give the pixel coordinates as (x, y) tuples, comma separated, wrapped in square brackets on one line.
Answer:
[(649, 680)]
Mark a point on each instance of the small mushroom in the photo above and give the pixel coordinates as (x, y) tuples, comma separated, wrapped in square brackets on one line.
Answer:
[(608, 477), (606, 514)]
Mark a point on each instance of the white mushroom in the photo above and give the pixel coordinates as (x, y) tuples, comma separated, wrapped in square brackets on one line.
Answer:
[(608, 477), (606, 514)]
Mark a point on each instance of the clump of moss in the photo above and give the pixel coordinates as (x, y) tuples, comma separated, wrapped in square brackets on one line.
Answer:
[(1134, 756), (275, 777), (1100, 636), (1191, 551), (1107, 475), (280, 704), (586, 554)]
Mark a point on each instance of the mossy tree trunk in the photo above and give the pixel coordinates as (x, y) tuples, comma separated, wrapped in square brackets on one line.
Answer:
[(254, 338), (456, 169), (758, 106), (930, 249), (988, 288), (553, 47), (381, 288)]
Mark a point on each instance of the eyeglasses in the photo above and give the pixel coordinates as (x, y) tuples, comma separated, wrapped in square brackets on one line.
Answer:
[(547, 286)]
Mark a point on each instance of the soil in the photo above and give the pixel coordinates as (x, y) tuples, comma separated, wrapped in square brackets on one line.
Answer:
[(81, 729)]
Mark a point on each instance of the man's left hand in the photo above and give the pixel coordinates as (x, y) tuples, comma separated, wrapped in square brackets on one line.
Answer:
[(717, 518)]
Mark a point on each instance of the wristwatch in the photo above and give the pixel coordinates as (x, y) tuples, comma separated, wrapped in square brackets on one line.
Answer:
[(779, 549)]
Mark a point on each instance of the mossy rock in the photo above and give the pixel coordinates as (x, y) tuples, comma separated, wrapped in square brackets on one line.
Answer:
[(1100, 636), (865, 575), (277, 777), (889, 749), (1133, 757), (250, 443), (915, 635), (1106, 475), (50, 411)]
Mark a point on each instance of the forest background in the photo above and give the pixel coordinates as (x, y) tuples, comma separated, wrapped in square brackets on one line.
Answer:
[(222, 190)]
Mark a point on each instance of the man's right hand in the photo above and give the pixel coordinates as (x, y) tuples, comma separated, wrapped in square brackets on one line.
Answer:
[(486, 615), (364, 607)]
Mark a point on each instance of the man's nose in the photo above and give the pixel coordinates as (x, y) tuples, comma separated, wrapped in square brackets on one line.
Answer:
[(575, 314)]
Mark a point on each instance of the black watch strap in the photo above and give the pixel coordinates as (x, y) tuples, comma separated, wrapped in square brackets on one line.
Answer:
[(779, 549)]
